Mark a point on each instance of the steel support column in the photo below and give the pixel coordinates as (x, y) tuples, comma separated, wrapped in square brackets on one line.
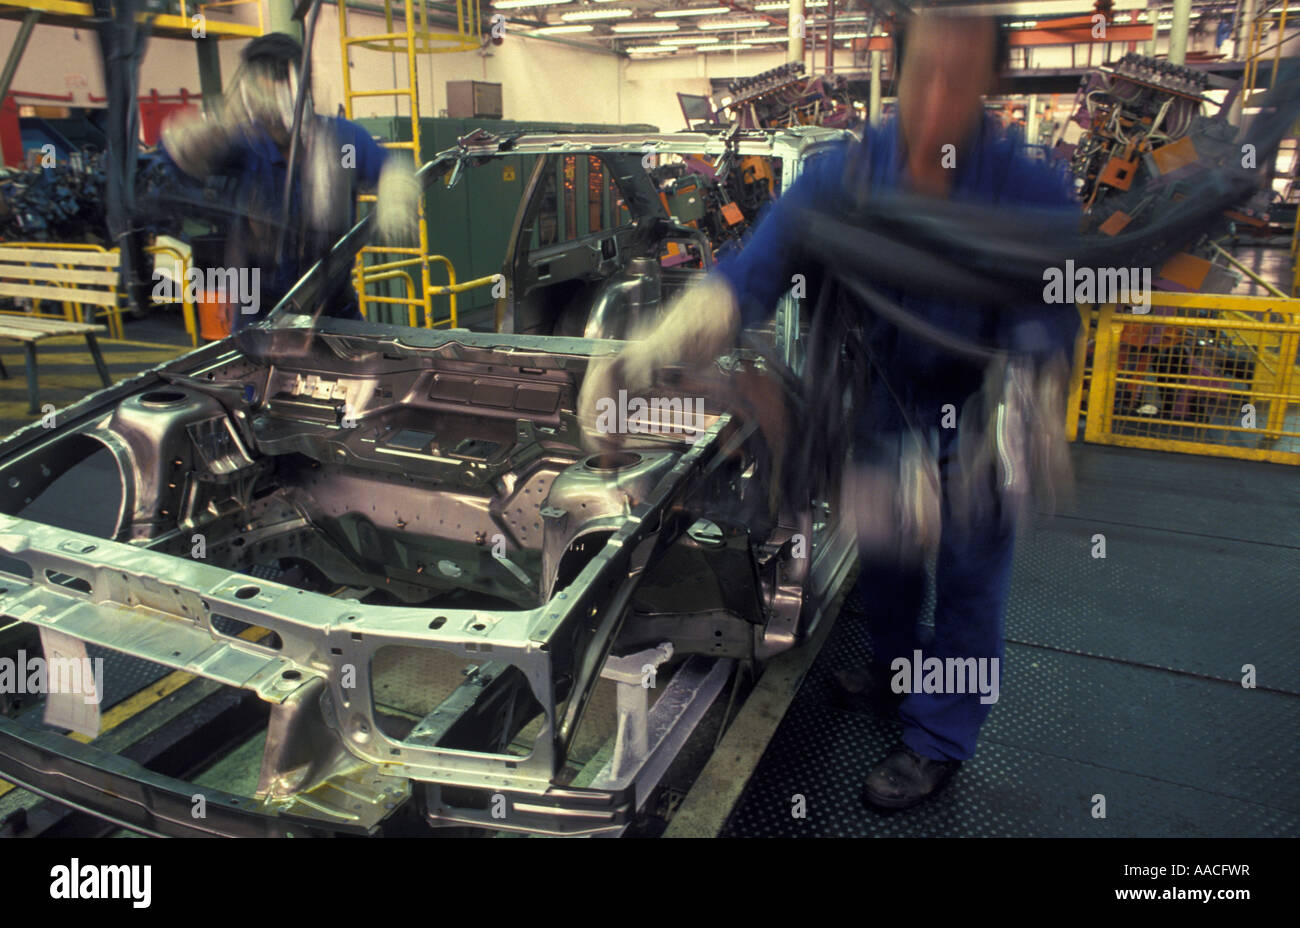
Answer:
[(1178, 34), (797, 30), (209, 73), (873, 112), (16, 53)]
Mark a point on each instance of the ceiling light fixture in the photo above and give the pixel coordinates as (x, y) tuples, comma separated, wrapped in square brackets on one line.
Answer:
[(693, 11), (516, 4), (730, 25), (578, 16), (637, 27)]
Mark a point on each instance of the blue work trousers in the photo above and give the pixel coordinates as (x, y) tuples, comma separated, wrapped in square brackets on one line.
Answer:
[(972, 576)]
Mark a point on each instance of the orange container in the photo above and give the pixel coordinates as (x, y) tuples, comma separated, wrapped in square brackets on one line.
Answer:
[(214, 317)]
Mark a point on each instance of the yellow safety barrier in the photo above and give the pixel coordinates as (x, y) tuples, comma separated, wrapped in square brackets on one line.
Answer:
[(392, 270), (187, 308), (1200, 373), (46, 274)]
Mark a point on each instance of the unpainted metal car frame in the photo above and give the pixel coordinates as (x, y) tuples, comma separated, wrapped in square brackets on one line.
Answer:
[(270, 445)]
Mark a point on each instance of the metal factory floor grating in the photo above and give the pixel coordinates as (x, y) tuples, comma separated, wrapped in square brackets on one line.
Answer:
[(1122, 675)]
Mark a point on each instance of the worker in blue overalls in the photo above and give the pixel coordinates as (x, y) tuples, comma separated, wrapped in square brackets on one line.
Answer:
[(941, 145), (249, 140)]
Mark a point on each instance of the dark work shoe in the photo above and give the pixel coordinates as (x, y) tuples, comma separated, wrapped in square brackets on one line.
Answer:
[(905, 778), (863, 689)]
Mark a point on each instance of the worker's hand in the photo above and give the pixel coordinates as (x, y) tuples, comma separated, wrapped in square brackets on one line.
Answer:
[(397, 214), (197, 144), (1012, 451), (1049, 455), (699, 326), (893, 501)]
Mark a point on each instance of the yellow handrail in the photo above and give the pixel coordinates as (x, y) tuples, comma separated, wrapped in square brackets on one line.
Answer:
[(411, 302)]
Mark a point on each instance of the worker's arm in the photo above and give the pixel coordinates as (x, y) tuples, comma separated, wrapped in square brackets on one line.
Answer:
[(393, 180), (742, 291), (764, 270), (202, 146)]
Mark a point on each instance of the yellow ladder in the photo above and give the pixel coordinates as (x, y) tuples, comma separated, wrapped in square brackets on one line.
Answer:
[(410, 41)]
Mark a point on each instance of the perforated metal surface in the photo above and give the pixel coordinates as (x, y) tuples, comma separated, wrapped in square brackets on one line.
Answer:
[(1122, 680)]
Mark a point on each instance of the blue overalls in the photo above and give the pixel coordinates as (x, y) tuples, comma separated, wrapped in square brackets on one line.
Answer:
[(260, 170), (912, 382)]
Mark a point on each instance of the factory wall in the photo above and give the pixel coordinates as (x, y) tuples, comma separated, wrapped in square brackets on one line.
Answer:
[(63, 61), (542, 80), (650, 87)]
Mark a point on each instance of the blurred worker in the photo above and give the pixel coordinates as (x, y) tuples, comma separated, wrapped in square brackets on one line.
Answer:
[(250, 139), (941, 145)]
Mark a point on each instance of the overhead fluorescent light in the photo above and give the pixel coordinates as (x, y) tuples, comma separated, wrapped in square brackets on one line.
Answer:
[(559, 30), (516, 4), (650, 50), (765, 5), (846, 36), (728, 47), (729, 25), (578, 16), (765, 39), (694, 11), (691, 40), (644, 27)]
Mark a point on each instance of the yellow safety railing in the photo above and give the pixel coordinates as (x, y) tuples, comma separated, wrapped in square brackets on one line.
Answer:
[(1201, 373), (410, 38), (1255, 50), (71, 312), (392, 270), (187, 307)]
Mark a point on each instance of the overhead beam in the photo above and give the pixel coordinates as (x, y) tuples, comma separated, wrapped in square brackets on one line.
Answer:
[(1079, 35)]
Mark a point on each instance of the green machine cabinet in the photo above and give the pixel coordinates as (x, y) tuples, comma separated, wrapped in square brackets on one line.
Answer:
[(469, 224)]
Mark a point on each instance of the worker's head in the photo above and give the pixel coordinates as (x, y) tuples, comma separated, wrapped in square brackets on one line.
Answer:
[(945, 64), (268, 82)]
